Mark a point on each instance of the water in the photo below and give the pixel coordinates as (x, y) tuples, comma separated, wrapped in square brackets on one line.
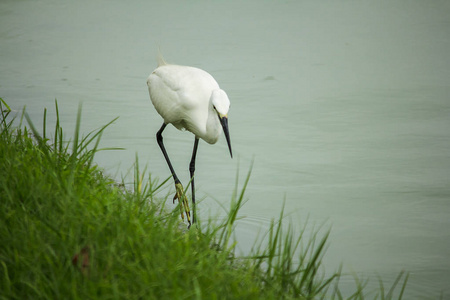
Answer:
[(343, 106)]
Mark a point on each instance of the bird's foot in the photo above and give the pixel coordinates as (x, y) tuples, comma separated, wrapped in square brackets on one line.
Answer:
[(184, 204)]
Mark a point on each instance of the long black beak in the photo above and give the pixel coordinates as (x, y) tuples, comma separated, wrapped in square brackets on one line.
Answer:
[(224, 122)]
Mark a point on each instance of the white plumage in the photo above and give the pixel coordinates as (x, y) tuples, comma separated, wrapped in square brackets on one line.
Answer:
[(189, 98), (185, 97)]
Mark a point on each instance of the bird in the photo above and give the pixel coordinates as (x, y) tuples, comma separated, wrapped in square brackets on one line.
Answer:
[(190, 99)]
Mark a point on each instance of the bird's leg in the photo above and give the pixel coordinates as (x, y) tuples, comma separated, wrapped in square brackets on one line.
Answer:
[(184, 205), (192, 170)]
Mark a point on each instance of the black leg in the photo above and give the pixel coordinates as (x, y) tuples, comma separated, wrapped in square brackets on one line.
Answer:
[(192, 170), (159, 139), (184, 205)]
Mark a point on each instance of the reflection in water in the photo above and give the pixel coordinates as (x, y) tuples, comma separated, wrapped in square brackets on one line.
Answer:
[(343, 107)]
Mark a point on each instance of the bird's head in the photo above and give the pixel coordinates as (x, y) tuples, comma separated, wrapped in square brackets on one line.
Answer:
[(221, 105)]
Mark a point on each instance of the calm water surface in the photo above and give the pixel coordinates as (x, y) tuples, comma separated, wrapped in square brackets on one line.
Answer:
[(343, 106)]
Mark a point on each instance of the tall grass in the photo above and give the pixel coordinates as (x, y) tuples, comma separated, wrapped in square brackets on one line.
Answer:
[(67, 231)]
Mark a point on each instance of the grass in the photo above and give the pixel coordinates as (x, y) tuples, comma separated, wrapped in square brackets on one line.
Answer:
[(67, 231)]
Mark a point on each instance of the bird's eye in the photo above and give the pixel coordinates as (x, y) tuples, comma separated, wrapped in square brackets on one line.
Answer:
[(214, 107)]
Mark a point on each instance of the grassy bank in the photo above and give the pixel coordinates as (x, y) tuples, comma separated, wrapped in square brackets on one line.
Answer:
[(67, 231)]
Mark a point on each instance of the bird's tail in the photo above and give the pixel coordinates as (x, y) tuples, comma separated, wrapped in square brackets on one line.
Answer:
[(161, 61)]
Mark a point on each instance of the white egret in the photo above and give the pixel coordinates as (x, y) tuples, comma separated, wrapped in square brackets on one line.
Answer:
[(191, 99)]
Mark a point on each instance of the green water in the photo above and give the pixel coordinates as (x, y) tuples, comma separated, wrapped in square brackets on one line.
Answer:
[(344, 107)]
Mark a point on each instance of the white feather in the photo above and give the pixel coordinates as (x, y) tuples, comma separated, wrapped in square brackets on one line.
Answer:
[(186, 97)]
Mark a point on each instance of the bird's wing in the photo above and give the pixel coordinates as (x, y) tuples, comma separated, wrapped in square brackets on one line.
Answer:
[(181, 95)]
